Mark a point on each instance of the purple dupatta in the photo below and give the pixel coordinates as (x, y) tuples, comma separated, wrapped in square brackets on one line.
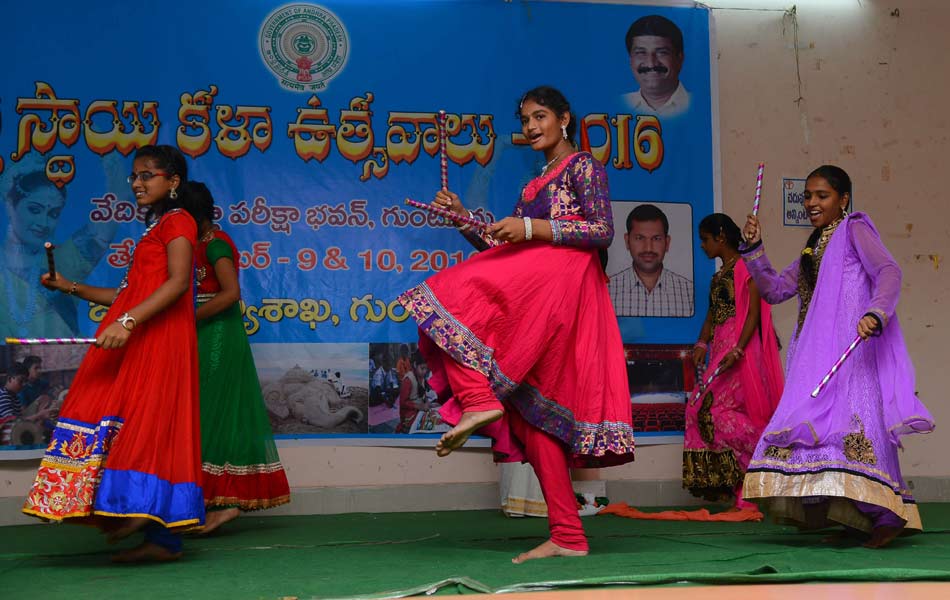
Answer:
[(842, 296)]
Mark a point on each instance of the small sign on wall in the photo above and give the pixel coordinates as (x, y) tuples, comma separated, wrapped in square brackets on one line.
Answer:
[(793, 203)]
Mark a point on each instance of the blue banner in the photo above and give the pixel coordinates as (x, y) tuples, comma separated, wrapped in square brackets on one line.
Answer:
[(311, 124)]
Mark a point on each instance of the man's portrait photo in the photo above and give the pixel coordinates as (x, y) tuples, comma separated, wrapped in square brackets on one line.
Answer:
[(655, 48), (645, 279)]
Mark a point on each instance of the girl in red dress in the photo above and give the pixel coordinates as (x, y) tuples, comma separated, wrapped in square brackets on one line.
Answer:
[(523, 335), (126, 451)]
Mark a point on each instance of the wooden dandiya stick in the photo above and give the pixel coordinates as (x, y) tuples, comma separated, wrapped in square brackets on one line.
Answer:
[(49, 260), (448, 214), (836, 366), (758, 189), (704, 386), (48, 341), (443, 150)]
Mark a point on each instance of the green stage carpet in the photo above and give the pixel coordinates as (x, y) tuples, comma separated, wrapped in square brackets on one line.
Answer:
[(396, 554)]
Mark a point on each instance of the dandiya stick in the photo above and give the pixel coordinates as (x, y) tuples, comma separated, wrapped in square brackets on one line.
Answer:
[(48, 341), (758, 189), (704, 386), (443, 150), (836, 366), (448, 214), (49, 260)]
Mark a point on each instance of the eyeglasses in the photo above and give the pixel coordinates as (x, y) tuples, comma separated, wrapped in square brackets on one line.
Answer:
[(144, 176)]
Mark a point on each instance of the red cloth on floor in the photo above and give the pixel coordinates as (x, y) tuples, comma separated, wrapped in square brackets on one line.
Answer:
[(622, 509)]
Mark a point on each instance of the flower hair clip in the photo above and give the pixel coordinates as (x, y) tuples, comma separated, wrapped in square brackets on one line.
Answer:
[(807, 251)]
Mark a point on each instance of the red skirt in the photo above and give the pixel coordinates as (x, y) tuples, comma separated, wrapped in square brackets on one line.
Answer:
[(537, 321)]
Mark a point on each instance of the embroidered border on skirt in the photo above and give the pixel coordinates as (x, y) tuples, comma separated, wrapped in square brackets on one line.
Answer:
[(590, 440), (72, 481)]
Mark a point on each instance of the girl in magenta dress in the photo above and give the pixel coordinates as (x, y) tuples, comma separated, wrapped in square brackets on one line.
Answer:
[(832, 459), (522, 339), (725, 420)]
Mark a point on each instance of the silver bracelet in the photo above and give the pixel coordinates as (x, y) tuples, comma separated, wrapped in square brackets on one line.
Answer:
[(527, 228), (124, 321)]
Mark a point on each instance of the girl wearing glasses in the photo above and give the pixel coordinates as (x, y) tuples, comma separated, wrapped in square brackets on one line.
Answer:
[(125, 454)]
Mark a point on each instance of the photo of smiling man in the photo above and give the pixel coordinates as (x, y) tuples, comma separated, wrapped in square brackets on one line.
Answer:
[(655, 47)]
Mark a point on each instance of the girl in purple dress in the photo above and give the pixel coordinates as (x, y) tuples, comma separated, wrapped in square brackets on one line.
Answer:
[(833, 458)]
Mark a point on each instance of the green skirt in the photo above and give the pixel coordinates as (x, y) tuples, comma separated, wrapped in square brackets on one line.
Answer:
[(240, 465)]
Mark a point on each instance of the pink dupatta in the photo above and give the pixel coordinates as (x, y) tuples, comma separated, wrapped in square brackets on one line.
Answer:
[(762, 364)]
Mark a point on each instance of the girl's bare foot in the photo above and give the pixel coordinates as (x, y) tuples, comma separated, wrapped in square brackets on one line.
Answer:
[(217, 518), (882, 536), (456, 437), (547, 550), (128, 526), (146, 552)]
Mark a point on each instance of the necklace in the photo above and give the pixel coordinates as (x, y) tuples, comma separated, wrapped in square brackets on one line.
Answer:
[(208, 236), (551, 162), (726, 265)]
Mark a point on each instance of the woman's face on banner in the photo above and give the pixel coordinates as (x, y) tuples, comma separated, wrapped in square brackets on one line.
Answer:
[(540, 126), (34, 217)]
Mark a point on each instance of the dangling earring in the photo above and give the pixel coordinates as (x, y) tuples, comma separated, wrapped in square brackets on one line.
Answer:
[(564, 131), (173, 194)]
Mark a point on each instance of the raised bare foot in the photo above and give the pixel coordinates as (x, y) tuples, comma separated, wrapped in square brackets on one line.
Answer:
[(146, 552), (217, 518), (127, 527), (547, 550), (455, 438), (882, 536)]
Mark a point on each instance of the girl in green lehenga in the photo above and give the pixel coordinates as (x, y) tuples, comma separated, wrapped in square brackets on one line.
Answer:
[(241, 469)]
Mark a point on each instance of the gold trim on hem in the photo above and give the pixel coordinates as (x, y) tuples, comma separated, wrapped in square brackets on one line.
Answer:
[(707, 471), (246, 505), (229, 469), (781, 495), (187, 524)]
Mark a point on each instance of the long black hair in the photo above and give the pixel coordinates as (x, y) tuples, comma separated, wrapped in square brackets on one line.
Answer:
[(552, 98), (197, 200), (717, 223), (840, 182), (170, 160)]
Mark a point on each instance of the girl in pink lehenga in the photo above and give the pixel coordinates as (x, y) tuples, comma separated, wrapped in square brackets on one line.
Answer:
[(725, 422), (523, 335)]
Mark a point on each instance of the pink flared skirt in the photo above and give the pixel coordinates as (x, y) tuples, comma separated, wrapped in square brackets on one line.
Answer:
[(536, 320)]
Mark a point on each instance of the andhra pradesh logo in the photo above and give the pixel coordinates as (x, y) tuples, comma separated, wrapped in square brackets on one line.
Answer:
[(304, 45)]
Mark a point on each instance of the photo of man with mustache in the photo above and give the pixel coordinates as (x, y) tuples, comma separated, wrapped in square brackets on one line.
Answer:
[(655, 47)]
